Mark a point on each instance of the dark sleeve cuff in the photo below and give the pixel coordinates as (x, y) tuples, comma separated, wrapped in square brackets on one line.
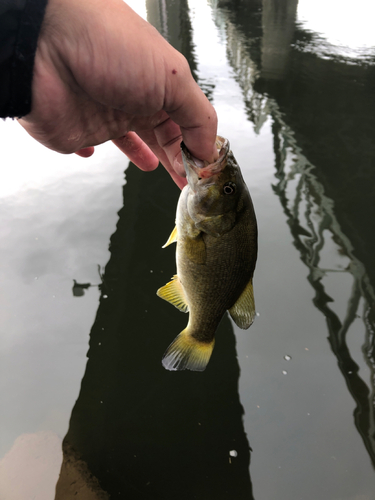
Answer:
[(20, 22)]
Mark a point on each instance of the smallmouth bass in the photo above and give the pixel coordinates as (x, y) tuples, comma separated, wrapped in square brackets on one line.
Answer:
[(216, 236)]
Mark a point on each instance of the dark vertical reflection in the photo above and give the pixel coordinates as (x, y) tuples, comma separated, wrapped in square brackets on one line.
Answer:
[(309, 237), (171, 18), (323, 114), (139, 430), (335, 132), (278, 21)]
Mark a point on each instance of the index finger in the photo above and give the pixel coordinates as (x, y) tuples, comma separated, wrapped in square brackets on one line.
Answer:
[(187, 106)]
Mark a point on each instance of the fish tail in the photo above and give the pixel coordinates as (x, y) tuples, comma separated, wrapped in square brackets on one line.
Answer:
[(187, 353)]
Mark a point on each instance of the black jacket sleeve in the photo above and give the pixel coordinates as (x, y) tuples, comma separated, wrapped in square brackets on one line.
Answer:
[(20, 22)]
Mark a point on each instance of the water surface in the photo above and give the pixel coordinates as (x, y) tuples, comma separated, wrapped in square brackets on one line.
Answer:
[(284, 410)]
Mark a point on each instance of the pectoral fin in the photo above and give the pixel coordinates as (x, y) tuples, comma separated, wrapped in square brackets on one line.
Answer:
[(217, 225), (195, 249), (172, 238), (174, 293), (243, 311)]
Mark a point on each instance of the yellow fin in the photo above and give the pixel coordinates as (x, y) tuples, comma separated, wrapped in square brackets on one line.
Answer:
[(243, 311), (172, 238), (174, 293), (195, 249), (187, 353)]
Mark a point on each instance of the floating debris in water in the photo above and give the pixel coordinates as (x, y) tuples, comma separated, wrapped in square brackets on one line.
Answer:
[(79, 288), (287, 357), (285, 372), (233, 453)]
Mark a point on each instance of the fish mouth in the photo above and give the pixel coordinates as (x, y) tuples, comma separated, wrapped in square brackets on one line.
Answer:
[(197, 170)]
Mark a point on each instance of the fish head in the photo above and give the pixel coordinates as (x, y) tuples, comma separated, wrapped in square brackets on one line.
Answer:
[(216, 190)]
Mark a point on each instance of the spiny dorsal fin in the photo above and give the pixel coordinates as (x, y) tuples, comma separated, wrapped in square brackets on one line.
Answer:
[(187, 353), (243, 311), (172, 238), (174, 293)]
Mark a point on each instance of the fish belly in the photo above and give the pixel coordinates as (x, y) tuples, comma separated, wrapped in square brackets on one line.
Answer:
[(213, 287)]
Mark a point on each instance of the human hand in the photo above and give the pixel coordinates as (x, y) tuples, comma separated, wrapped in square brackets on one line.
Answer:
[(103, 73)]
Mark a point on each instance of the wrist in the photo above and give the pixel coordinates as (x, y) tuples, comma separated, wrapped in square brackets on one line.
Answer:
[(22, 22)]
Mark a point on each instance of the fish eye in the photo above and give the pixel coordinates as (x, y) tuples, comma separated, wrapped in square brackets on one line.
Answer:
[(229, 188)]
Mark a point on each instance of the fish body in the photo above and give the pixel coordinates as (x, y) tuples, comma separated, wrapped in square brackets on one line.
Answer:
[(216, 236)]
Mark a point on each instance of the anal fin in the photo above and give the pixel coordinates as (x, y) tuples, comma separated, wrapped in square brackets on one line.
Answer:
[(243, 311), (173, 292)]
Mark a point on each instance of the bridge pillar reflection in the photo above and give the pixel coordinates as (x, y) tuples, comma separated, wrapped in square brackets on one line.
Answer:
[(278, 21)]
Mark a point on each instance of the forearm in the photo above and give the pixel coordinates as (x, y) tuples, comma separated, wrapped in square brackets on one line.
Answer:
[(20, 22)]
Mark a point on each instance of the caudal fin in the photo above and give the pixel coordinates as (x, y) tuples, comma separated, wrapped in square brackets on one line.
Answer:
[(187, 353)]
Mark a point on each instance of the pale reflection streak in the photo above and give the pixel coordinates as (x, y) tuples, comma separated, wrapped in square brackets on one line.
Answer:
[(329, 22)]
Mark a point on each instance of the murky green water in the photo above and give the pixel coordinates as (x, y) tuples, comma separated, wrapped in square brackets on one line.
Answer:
[(285, 410)]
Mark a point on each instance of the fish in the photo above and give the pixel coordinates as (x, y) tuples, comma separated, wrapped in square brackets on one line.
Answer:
[(216, 236)]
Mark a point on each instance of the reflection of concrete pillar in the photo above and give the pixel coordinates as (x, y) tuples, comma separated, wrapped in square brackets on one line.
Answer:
[(171, 18), (165, 16), (278, 19), (156, 15)]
